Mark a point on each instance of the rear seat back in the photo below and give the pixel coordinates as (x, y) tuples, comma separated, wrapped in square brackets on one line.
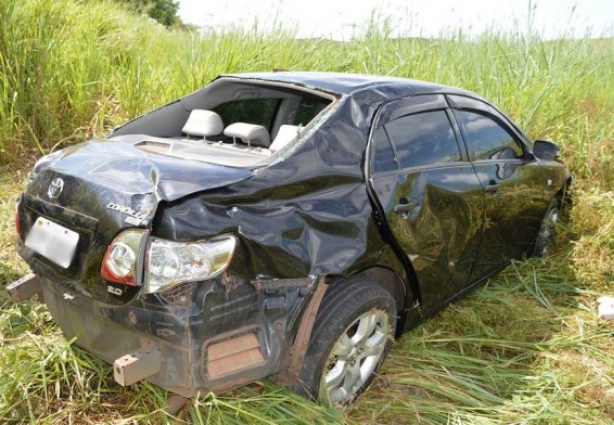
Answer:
[(285, 135)]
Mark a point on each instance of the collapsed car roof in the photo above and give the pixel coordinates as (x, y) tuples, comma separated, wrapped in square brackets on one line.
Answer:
[(283, 108), (386, 87)]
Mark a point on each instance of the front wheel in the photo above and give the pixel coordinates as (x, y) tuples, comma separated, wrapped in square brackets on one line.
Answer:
[(352, 335), (547, 229)]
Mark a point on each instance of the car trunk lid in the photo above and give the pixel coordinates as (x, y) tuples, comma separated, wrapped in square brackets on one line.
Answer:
[(98, 189)]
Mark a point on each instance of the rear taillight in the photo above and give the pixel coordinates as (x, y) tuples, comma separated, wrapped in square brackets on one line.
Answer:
[(167, 263), (121, 260), (172, 263)]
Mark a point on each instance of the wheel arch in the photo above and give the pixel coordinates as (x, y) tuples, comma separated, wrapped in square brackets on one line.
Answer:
[(346, 298), (390, 280)]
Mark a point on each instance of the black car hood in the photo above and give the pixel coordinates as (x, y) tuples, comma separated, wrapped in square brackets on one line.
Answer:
[(120, 167)]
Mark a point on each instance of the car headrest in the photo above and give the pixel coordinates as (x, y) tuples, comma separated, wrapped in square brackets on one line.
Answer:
[(203, 123), (250, 134)]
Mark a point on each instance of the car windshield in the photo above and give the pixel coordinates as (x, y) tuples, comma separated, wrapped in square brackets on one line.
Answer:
[(232, 122)]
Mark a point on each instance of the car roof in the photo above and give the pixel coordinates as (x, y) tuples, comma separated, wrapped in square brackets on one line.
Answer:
[(350, 84)]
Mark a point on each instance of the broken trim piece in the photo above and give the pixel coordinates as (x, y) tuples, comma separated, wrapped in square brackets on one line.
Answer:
[(24, 288), (136, 366), (296, 354)]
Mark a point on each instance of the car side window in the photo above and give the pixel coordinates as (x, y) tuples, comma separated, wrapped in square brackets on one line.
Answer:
[(486, 138), (423, 138), (383, 157)]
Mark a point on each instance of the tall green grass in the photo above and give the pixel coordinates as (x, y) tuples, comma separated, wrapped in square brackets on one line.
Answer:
[(525, 348), (71, 70)]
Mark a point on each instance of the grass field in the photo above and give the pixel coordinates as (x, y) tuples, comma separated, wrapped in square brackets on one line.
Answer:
[(527, 347)]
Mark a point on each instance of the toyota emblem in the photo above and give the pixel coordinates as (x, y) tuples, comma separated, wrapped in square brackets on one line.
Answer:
[(55, 188)]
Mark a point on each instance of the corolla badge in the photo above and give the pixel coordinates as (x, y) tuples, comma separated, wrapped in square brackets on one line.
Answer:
[(133, 217), (55, 188)]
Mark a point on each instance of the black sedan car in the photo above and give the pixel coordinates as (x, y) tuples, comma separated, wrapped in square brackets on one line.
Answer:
[(284, 225)]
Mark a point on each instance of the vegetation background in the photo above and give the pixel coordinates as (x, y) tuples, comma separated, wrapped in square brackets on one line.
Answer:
[(527, 347)]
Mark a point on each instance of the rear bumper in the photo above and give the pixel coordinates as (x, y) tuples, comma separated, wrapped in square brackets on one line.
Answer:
[(200, 338), (96, 328)]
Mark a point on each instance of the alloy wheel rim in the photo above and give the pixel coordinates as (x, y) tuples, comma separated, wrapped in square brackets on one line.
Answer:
[(355, 355)]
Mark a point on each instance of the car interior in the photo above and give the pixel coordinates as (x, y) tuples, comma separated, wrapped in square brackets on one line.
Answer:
[(230, 122)]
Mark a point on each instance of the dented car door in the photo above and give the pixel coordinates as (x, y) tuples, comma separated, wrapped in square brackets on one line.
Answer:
[(517, 192), (430, 193)]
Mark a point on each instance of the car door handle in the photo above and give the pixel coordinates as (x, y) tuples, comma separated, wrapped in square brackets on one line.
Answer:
[(404, 207)]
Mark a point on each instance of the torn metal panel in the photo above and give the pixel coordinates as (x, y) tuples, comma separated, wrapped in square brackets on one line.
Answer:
[(296, 354), (291, 221)]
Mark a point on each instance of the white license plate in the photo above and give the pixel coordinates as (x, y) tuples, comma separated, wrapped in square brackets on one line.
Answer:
[(53, 241)]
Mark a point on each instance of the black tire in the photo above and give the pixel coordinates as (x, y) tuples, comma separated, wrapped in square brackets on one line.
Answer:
[(360, 314), (547, 230)]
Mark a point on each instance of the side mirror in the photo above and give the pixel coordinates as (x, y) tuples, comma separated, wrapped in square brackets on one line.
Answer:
[(546, 150)]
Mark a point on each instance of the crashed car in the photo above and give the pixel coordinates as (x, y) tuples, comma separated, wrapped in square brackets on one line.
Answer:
[(284, 225)]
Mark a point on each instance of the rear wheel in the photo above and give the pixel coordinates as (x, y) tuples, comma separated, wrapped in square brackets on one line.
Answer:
[(352, 335)]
